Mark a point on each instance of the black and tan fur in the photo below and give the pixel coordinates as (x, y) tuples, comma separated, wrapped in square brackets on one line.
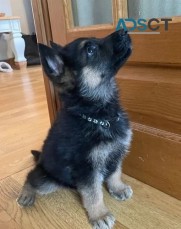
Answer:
[(77, 152)]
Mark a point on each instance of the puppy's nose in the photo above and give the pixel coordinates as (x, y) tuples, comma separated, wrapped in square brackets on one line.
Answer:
[(116, 36)]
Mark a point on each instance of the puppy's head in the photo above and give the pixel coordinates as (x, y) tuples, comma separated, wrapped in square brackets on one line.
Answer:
[(87, 64)]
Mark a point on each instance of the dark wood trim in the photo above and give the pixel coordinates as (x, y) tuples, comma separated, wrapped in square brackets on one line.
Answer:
[(44, 35), (68, 14), (57, 21)]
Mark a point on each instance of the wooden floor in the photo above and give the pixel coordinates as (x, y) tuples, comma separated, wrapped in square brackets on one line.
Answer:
[(24, 123)]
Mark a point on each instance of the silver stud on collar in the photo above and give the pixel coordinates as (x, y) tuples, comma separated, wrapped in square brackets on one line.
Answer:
[(104, 123)]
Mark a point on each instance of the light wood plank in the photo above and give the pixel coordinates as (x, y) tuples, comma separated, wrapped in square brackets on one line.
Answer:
[(47, 212), (149, 208), (23, 107), (6, 221)]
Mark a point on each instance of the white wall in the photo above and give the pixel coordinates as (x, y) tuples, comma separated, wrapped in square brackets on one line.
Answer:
[(23, 9), (20, 8), (5, 7)]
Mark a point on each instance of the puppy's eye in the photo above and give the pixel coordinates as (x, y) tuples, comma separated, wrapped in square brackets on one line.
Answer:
[(91, 50)]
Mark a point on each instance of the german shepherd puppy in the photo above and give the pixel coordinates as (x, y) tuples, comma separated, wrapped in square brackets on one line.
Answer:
[(87, 143)]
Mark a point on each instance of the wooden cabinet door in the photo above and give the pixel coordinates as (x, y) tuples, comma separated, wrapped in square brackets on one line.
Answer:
[(150, 86)]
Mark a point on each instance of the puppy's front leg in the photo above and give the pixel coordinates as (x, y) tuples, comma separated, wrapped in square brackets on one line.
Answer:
[(92, 197), (117, 188)]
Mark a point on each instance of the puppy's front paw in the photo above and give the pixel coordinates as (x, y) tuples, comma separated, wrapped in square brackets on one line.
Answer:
[(106, 222), (122, 194), (26, 198)]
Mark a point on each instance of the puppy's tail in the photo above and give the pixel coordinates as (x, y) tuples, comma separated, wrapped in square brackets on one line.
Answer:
[(36, 154)]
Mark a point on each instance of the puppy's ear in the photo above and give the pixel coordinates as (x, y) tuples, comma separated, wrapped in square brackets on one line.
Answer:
[(52, 62), (56, 47)]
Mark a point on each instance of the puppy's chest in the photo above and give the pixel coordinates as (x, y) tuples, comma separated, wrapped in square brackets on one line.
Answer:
[(113, 150)]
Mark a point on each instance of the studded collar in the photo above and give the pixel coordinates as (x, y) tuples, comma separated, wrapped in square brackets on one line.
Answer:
[(104, 123)]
